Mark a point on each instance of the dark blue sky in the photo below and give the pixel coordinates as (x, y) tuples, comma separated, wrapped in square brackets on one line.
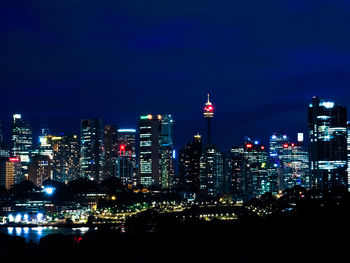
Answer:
[(262, 61)]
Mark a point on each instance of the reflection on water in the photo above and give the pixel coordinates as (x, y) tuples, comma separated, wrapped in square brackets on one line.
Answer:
[(33, 234)]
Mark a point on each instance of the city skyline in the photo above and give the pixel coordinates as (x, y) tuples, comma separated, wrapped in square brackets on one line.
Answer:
[(182, 136)]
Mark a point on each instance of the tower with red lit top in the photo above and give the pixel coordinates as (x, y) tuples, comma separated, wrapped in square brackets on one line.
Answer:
[(208, 115)]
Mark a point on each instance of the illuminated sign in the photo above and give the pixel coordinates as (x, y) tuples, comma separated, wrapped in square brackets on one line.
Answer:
[(145, 117), (249, 145), (14, 159), (285, 145), (126, 130), (300, 137)]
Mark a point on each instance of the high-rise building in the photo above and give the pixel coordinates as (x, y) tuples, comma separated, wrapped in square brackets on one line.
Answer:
[(66, 155), (149, 132), (125, 163), (40, 169), (46, 145), (258, 179), (190, 165), (292, 159), (327, 122), (212, 178), (3, 150), (91, 149), (236, 169), (22, 142), (10, 171), (110, 149), (166, 151)]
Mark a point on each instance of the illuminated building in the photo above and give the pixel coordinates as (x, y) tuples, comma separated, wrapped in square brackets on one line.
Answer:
[(21, 142), (166, 151), (45, 146), (126, 160), (91, 149), (236, 169), (3, 151), (10, 171), (208, 115), (258, 179), (110, 149), (292, 159), (125, 165), (40, 169), (66, 154), (13, 172), (149, 132), (190, 165), (327, 122), (212, 178)]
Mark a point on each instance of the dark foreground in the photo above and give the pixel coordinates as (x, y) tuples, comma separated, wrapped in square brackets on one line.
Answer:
[(310, 233)]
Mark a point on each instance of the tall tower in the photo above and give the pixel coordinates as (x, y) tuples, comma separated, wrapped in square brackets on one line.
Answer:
[(208, 114), (328, 144)]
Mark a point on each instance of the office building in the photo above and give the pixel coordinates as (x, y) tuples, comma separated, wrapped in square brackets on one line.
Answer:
[(40, 169), (190, 165), (149, 147), (66, 155), (22, 143), (327, 122), (91, 149)]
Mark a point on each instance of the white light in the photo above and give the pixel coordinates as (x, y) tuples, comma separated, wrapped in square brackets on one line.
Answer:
[(11, 218), (17, 116), (49, 190), (327, 104), (18, 218), (300, 137)]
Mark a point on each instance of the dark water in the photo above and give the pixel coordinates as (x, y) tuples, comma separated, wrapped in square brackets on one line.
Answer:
[(35, 233)]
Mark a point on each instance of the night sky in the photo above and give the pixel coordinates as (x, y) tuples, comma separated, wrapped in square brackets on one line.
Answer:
[(262, 61)]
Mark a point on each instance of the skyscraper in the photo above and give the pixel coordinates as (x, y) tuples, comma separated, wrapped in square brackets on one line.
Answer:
[(66, 154), (149, 132), (327, 122), (258, 179), (190, 165), (125, 163), (3, 151), (110, 149), (292, 159), (21, 142), (40, 169), (212, 178), (91, 149), (166, 151)]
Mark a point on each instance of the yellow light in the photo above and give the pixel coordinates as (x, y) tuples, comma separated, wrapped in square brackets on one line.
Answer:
[(113, 197), (149, 116), (159, 117)]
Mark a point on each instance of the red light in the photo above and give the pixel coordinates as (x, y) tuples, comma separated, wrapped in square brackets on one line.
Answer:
[(249, 145), (293, 144), (262, 147), (209, 108), (14, 159), (285, 145), (122, 147)]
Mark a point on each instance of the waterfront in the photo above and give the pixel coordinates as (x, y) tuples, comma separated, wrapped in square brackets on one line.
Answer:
[(34, 234)]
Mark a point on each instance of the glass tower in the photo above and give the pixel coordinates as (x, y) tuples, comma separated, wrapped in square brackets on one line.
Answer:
[(327, 122)]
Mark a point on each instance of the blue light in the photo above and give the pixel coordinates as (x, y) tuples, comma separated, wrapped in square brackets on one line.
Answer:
[(49, 190), (174, 154), (256, 142)]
